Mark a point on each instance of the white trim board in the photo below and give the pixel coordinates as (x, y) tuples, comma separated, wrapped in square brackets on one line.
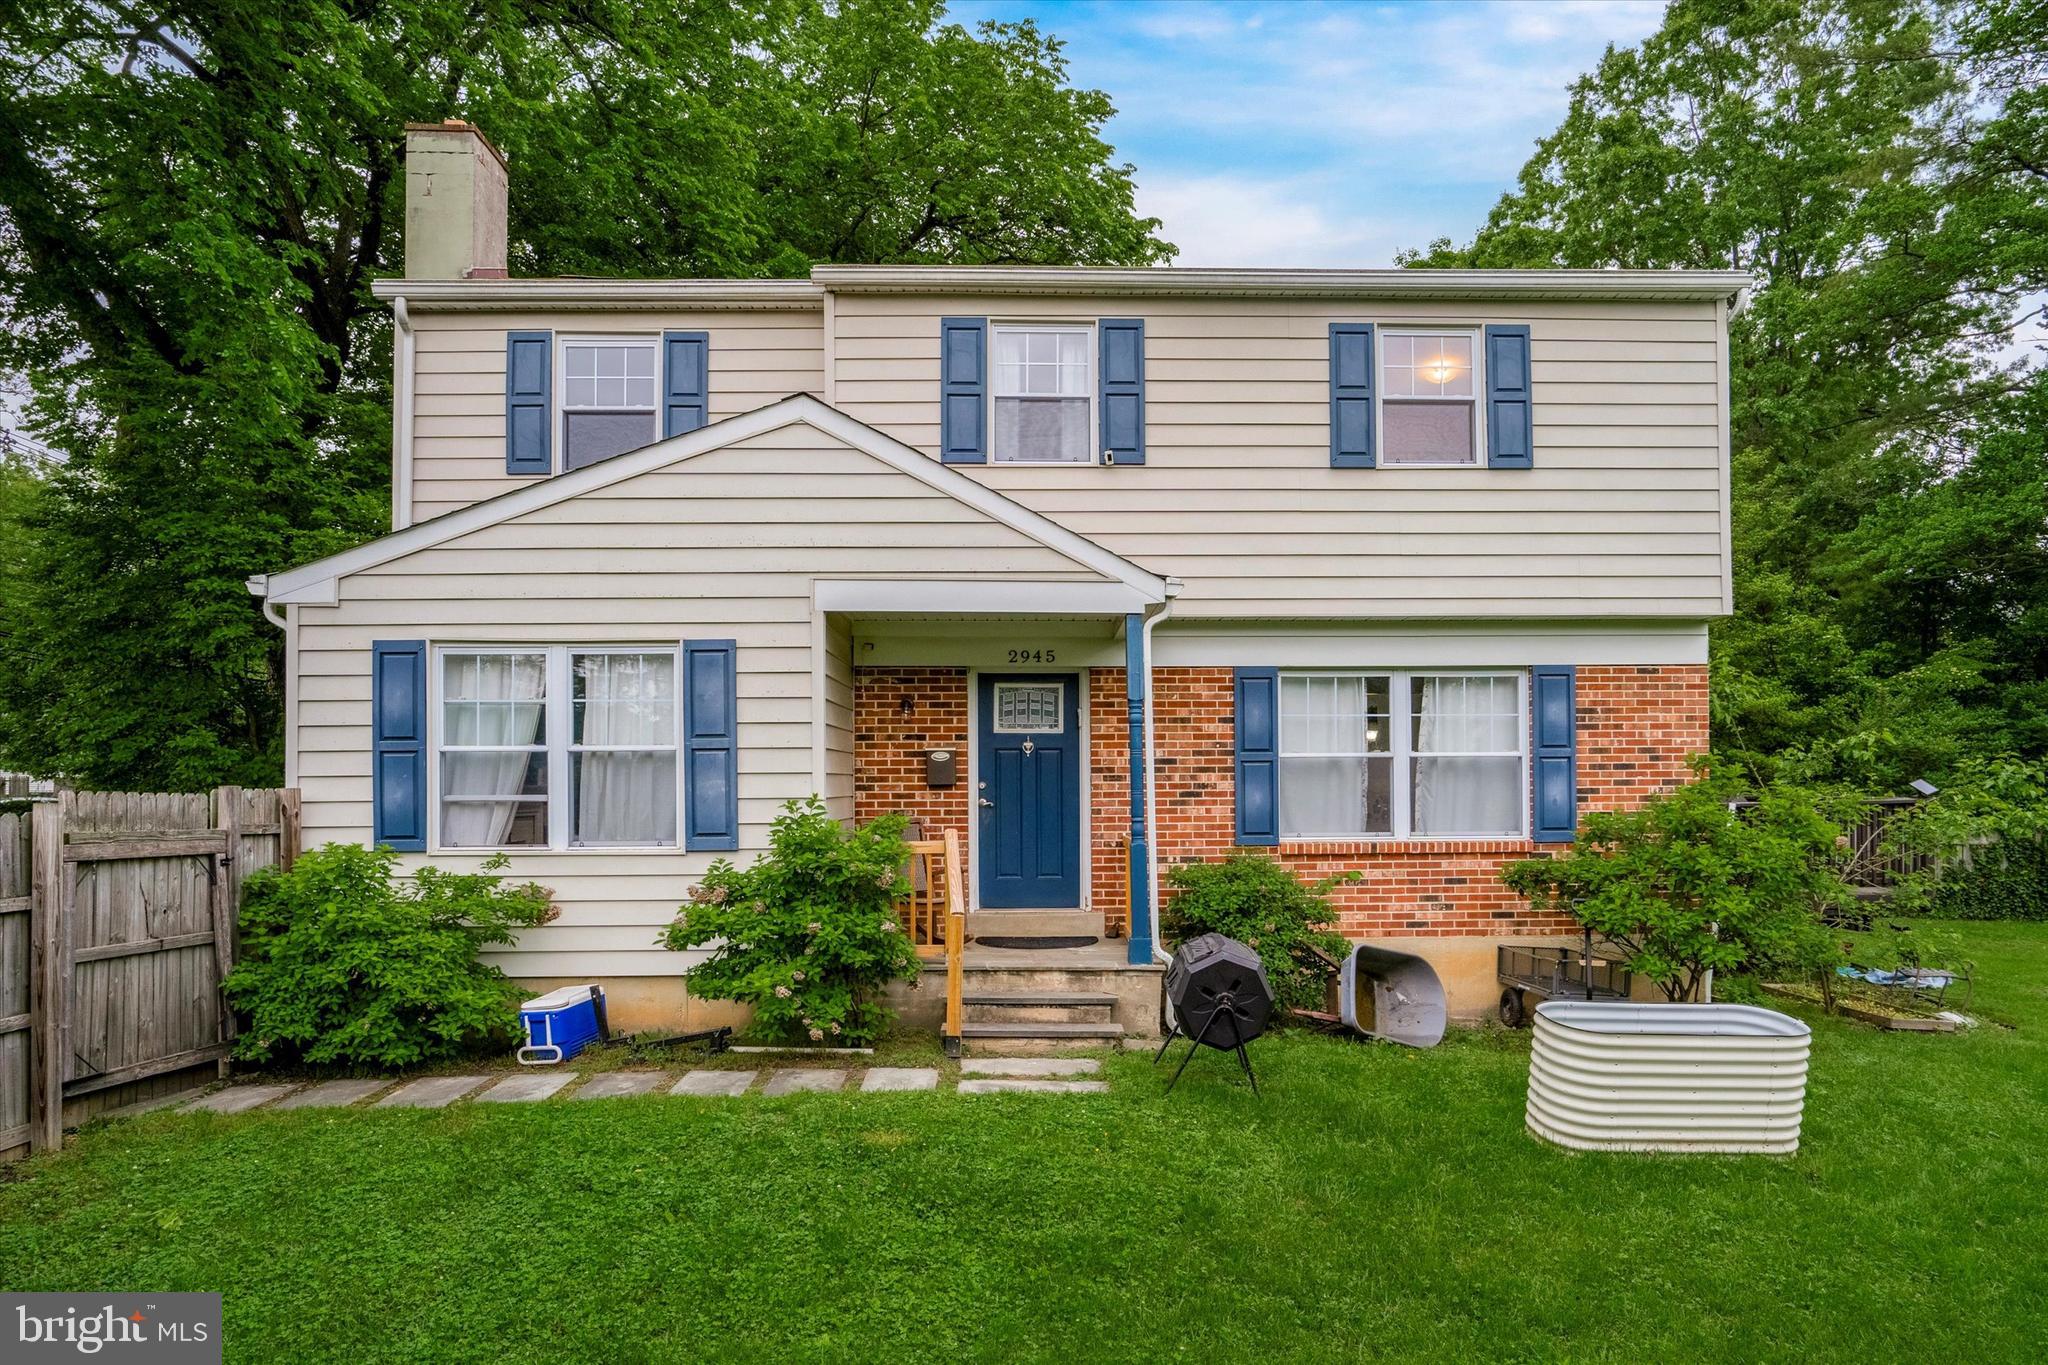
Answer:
[(315, 583), (1417, 645)]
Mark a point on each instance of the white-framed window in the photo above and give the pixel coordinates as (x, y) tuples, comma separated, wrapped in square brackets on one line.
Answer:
[(1403, 755), (1043, 394), (609, 397), (557, 746), (1030, 708), (1429, 397)]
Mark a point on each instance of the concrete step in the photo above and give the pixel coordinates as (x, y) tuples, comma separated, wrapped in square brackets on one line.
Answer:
[(1056, 1032), (1035, 923), (1076, 999), (1039, 1007)]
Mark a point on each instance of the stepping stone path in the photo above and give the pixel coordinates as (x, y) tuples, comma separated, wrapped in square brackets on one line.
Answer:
[(981, 1076), (901, 1078), (1029, 1066), (333, 1094), (430, 1092), (614, 1084), (803, 1079), (714, 1083), (237, 1099), (526, 1086), (997, 1087)]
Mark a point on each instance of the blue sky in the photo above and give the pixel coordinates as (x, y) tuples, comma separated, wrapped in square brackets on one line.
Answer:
[(1313, 134)]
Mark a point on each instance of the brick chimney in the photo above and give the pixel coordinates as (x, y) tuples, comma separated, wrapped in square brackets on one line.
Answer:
[(454, 203)]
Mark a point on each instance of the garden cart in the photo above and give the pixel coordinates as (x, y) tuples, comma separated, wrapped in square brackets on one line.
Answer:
[(1555, 973)]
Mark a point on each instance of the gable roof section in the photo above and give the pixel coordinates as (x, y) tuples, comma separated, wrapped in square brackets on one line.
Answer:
[(314, 583)]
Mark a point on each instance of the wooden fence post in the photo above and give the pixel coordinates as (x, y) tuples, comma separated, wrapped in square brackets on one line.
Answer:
[(227, 903), (288, 830), (50, 996)]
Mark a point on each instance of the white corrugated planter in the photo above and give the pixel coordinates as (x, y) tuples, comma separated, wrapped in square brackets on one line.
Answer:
[(1667, 1078)]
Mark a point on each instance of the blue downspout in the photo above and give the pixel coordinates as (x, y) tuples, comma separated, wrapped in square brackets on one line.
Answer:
[(1140, 940)]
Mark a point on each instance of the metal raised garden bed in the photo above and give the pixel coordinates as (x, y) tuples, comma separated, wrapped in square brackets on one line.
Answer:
[(1555, 973)]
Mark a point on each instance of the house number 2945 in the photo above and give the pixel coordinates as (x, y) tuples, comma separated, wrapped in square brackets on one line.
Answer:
[(1034, 656)]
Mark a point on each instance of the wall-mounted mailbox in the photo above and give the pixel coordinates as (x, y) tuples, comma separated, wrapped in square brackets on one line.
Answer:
[(941, 768)]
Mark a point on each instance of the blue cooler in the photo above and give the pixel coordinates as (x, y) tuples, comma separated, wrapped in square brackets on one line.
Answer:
[(561, 1024)]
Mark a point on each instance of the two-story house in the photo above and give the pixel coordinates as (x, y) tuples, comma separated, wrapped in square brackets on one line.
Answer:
[(1387, 570)]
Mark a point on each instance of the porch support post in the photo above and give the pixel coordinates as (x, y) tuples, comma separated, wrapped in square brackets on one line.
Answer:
[(1140, 909)]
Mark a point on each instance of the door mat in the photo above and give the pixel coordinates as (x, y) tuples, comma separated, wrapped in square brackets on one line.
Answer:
[(1027, 941)]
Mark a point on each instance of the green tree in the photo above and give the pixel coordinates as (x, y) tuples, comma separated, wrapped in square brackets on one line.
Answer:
[(1878, 165), (195, 196), (1688, 885)]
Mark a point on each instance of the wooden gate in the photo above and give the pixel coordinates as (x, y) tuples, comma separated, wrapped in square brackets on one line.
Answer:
[(15, 1107), (130, 929)]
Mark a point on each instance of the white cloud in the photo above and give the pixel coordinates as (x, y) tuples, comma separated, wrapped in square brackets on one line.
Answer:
[(1233, 220)]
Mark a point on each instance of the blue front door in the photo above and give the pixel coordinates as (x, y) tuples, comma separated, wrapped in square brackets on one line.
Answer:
[(1030, 792)]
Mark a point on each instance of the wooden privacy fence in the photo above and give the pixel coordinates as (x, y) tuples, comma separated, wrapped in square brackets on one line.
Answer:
[(117, 913)]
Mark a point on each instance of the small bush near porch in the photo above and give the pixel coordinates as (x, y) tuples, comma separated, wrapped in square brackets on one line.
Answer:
[(1377, 1202)]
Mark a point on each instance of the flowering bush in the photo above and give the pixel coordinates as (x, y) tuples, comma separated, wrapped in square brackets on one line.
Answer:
[(809, 935)]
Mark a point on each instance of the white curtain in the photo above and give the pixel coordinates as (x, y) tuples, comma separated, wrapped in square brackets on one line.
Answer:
[(490, 699), (1459, 788), (625, 791)]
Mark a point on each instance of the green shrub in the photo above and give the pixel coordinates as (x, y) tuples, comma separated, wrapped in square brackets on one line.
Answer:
[(347, 962), (2003, 881), (1983, 843), (1257, 901), (809, 935), (1686, 885)]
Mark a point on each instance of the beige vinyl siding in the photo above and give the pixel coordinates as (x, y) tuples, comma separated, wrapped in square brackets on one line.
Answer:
[(458, 457), (1620, 517), (650, 560)]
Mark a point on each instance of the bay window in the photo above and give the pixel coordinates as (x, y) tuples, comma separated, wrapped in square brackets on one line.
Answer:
[(1384, 754), (557, 747)]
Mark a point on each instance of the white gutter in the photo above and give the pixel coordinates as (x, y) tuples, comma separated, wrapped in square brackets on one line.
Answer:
[(258, 585), (1704, 285), (458, 295), (1152, 619), (402, 400)]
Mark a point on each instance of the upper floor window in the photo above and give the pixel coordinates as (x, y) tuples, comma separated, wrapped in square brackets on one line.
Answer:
[(1401, 754), (1429, 410), (608, 397), (557, 747), (1044, 394)]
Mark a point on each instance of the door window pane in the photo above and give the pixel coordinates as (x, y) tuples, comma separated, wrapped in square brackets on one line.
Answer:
[(1029, 708)]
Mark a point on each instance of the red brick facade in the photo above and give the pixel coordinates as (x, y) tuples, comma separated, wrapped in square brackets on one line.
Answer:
[(900, 715), (1636, 727)]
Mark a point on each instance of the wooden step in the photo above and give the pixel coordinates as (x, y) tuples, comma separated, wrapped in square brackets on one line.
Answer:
[(1077, 999), (1064, 1031)]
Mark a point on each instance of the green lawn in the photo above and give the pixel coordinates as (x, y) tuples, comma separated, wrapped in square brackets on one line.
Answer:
[(1376, 1201)]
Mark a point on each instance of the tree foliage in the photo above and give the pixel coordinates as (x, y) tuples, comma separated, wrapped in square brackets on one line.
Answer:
[(1688, 884), (1881, 166), (194, 198)]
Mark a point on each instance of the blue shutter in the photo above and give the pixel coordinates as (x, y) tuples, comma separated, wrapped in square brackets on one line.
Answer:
[(529, 402), (1258, 756), (398, 760), (963, 390), (1510, 422), (1554, 763), (711, 818), (685, 381), (1122, 345), (1351, 395)]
